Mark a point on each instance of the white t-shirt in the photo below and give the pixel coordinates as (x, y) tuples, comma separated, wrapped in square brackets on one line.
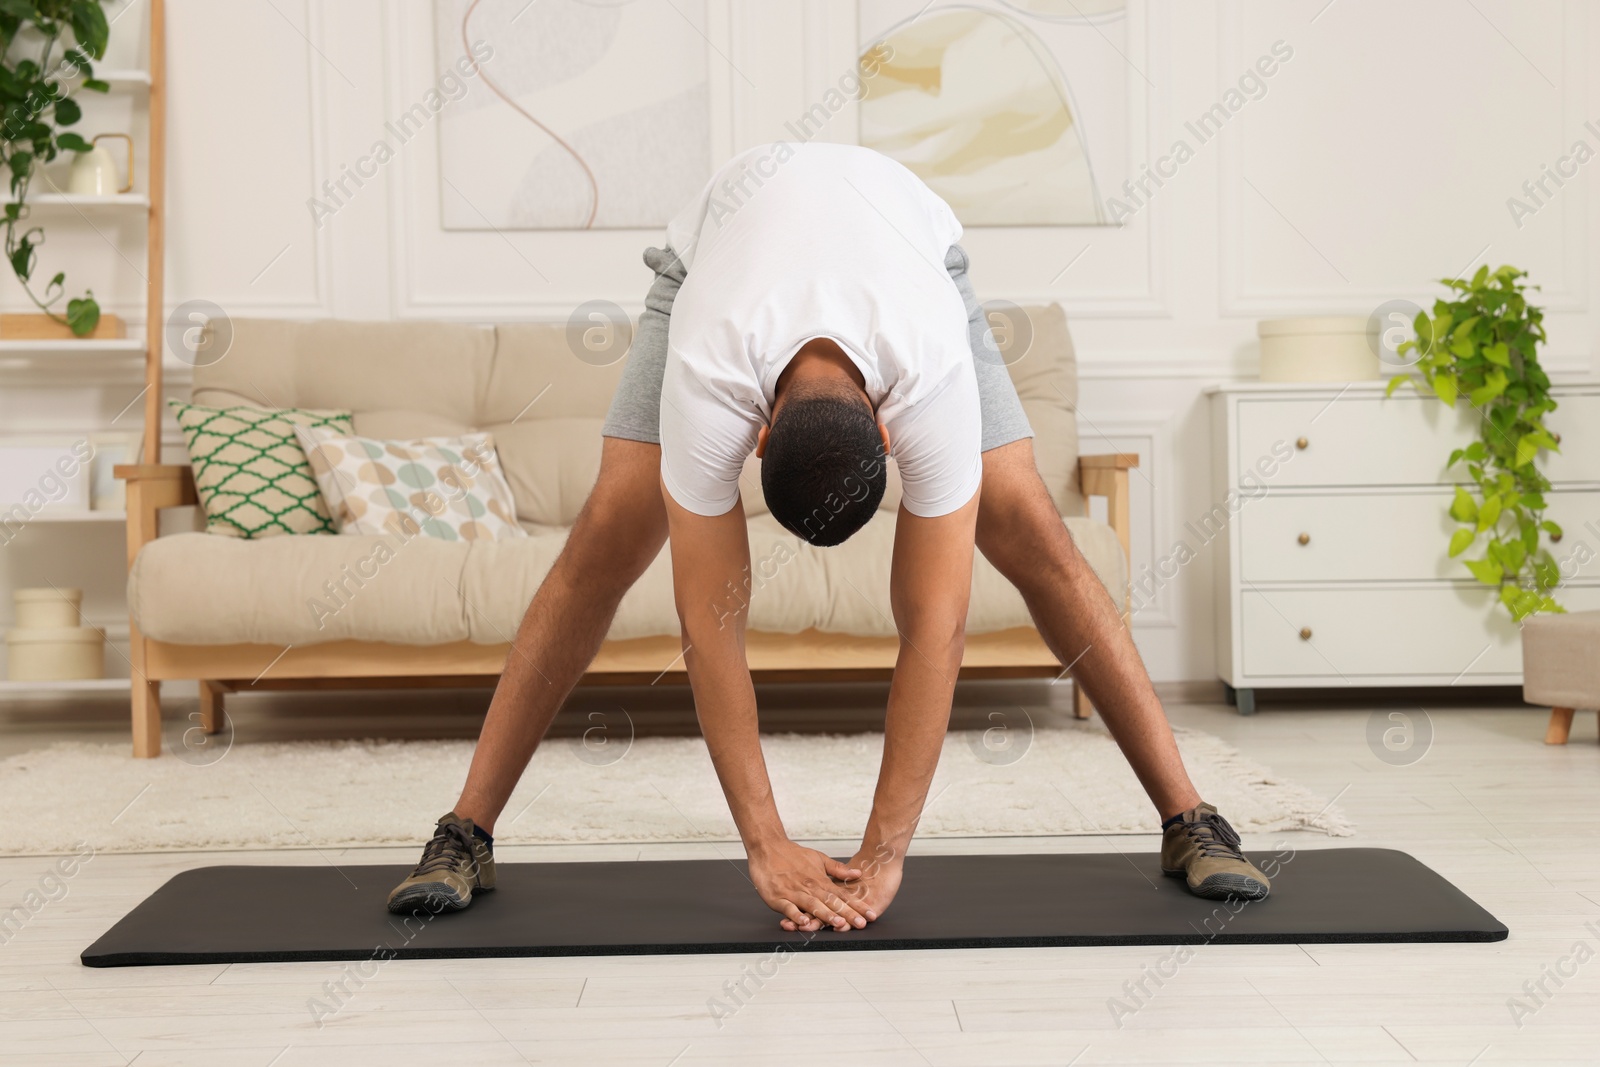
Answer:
[(790, 242)]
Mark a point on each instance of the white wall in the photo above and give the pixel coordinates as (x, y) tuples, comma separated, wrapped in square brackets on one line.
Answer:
[(1381, 157)]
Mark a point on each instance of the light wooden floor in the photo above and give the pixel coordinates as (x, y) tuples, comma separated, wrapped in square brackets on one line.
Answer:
[(1510, 821)]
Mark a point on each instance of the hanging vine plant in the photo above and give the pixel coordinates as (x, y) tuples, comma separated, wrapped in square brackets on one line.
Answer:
[(35, 112), (1482, 348)]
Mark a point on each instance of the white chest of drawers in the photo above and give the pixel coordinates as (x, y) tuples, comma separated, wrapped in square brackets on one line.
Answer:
[(1330, 535)]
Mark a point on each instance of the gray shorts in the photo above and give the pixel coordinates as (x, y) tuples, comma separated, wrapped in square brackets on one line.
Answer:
[(635, 413)]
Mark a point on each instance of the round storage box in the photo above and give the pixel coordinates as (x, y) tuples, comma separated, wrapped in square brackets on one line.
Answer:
[(1325, 349), (47, 609), (55, 655)]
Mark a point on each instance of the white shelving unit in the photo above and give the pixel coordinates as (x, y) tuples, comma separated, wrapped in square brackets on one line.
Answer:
[(77, 515), (136, 202), (68, 360), (124, 79), (121, 359), (110, 346)]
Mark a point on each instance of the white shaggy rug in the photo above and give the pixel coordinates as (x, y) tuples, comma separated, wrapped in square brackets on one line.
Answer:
[(1069, 780)]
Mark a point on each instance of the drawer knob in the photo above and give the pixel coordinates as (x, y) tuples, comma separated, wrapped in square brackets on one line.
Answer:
[(1305, 633), (1302, 444), (1304, 539), (1555, 539), (1557, 437)]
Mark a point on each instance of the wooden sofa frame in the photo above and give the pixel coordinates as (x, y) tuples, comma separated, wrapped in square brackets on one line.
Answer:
[(811, 655)]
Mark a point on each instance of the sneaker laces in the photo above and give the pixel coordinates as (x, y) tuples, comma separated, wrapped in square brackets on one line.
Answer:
[(1213, 836), (451, 845)]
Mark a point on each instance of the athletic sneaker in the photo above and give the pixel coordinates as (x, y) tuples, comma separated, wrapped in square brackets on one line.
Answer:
[(1204, 850), (454, 864)]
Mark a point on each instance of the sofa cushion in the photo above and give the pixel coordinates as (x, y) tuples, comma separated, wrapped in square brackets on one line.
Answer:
[(197, 589), (550, 464), (250, 470), (431, 375), (545, 404)]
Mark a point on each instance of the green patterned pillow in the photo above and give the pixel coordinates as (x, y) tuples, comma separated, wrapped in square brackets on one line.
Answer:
[(249, 469)]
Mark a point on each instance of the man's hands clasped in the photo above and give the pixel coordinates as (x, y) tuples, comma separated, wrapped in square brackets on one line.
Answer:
[(811, 889), (802, 885)]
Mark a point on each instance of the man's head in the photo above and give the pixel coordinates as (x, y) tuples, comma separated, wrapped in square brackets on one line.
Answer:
[(823, 462)]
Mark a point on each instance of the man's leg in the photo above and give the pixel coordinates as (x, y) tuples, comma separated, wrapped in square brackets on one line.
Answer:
[(618, 533), (620, 530), (1020, 532)]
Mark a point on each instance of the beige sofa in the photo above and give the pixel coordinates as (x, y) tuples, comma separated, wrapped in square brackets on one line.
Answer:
[(238, 614)]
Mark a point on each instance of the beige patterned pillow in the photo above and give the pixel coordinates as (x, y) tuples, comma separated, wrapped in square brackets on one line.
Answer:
[(447, 488)]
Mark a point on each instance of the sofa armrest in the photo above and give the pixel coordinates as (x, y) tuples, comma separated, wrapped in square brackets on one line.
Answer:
[(1107, 476), (152, 487), (1121, 461)]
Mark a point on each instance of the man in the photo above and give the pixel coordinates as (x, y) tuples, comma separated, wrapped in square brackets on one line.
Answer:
[(813, 306)]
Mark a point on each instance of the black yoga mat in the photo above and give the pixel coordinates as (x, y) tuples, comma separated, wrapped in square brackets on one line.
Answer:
[(320, 912)]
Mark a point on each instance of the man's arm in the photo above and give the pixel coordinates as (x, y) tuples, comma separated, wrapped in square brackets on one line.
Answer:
[(710, 573), (929, 589), (930, 583)]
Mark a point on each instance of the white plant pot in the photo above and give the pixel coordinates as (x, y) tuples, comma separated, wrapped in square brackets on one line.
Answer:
[(48, 609), (55, 655), (1317, 349)]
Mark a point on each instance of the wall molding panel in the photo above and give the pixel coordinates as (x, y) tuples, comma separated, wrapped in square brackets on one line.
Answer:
[(1562, 266)]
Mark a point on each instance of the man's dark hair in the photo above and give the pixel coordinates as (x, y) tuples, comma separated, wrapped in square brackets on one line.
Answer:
[(823, 471)]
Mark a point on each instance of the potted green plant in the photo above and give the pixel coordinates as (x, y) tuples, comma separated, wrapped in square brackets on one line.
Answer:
[(1481, 348), (44, 44)]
